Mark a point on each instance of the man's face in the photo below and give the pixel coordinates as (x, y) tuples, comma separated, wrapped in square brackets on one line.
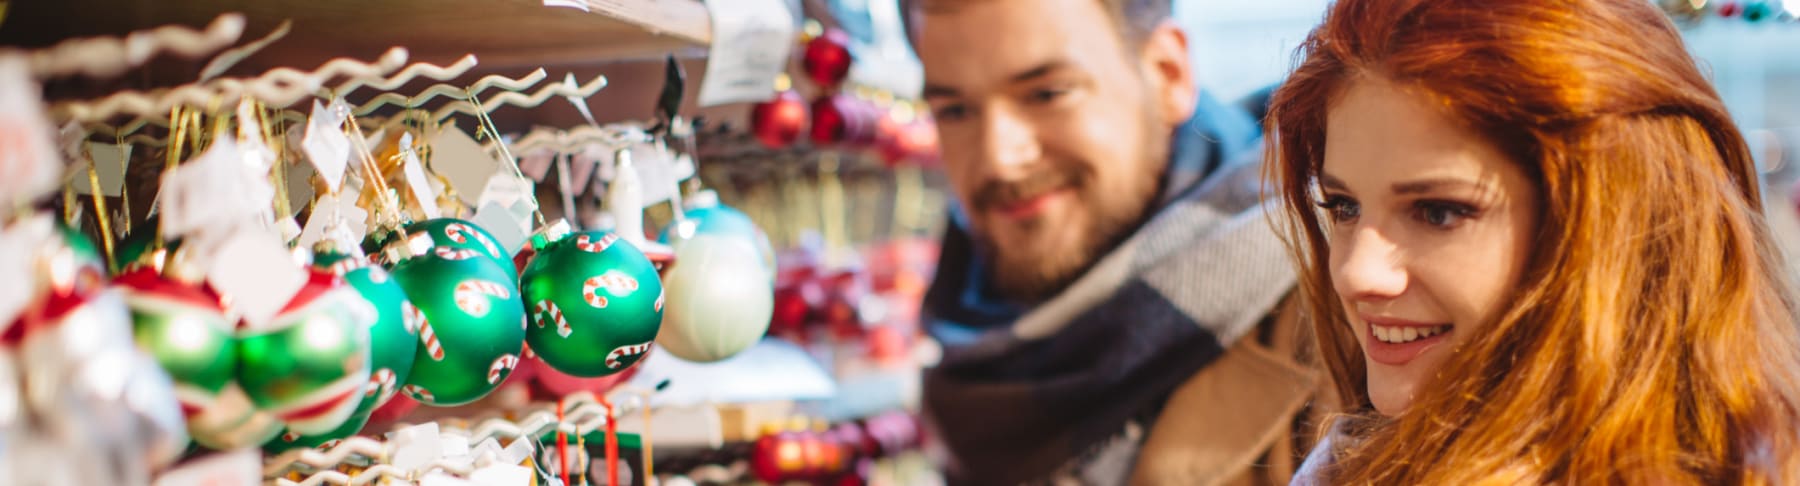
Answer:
[(1052, 132)]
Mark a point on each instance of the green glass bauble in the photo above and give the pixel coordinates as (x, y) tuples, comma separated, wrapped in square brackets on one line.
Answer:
[(309, 366), (86, 254), (394, 338), (184, 328), (596, 304), (456, 233), (472, 325)]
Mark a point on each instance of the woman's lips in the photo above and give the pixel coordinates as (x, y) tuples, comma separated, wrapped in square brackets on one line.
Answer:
[(1396, 342)]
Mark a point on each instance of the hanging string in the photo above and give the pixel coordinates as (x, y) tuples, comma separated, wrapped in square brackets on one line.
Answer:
[(487, 125), (283, 209), (124, 189), (100, 213), (179, 121)]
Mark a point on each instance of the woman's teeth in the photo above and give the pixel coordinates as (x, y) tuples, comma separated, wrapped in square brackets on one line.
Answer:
[(1406, 334)]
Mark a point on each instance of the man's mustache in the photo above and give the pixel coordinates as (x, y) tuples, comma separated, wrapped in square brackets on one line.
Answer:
[(1002, 193)]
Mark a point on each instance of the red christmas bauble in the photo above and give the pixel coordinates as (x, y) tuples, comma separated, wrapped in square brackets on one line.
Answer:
[(777, 457), (843, 119), (777, 123), (827, 59)]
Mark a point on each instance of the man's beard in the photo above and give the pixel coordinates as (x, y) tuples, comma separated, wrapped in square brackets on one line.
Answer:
[(1023, 271)]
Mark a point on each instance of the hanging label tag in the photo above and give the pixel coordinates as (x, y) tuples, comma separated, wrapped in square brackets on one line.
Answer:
[(507, 229), (29, 164), (299, 185), (416, 447), (415, 179), (656, 174), (461, 159), (240, 468), (254, 268), (504, 189), (325, 145), (750, 44), (318, 224), (110, 162), (205, 191)]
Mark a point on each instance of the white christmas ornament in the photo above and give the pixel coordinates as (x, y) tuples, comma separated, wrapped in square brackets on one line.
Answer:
[(719, 299)]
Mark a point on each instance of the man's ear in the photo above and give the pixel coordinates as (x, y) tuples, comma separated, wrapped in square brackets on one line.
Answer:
[(1163, 60)]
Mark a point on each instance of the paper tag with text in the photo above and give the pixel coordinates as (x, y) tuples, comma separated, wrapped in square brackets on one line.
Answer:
[(326, 146), (750, 44)]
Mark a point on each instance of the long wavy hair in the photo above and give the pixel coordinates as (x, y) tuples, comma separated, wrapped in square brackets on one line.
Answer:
[(1651, 337)]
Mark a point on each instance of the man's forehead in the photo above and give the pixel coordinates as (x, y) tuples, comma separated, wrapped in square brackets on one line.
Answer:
[(990, 41)]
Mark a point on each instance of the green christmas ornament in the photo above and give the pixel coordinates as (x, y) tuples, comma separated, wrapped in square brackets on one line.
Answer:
[(184, 328), (394, 338), (472, 324), (596, 302), (309, 367), (393, 341), (86, 254), (456, 233)]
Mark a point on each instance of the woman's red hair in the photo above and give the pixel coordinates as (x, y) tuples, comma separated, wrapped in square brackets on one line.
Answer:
[(1651, 338)]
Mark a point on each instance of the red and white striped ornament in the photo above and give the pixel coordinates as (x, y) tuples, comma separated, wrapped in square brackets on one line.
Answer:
[(472, 296), (381, 381), (548, 311), (622, 352)]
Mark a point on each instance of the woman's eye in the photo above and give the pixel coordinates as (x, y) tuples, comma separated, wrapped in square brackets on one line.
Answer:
[(1341, 209), (1442, 214)]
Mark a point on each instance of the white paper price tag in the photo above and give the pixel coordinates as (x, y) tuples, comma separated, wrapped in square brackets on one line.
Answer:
[(110, 162), (326, 146), (327, 210), (750, 44), (29, 163), (656, 175), (254, 268), (508, 230), (416, 180), (213, 189), (417, 446), (462, 160)]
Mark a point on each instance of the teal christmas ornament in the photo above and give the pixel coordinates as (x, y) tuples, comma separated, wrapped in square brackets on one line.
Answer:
[(595, 300), (310, 365), (471, 321), (705, 215)]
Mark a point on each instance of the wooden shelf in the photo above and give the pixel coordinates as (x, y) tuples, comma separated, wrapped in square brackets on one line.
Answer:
[(505, 35)]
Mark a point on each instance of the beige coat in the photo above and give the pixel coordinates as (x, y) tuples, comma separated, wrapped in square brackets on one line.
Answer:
[(1266, 390)]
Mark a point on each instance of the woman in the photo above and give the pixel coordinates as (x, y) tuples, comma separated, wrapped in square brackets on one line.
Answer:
[(1532, 241)]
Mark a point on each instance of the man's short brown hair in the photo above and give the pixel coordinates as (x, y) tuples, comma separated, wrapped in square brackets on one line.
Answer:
[(1135, 19)]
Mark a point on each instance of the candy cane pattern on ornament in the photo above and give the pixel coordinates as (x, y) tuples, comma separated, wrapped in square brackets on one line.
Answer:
[(460, 234), (290, 436), (590, 291), (606, 241), (472, 296), (411, 318), (548, 311), (449, 253), (659, 300), (419, 393), (622, 352), (380, 382), (429, 337), (501, 365)]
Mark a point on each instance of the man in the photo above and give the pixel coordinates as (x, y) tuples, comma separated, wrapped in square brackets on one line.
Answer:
[(1109, 292)]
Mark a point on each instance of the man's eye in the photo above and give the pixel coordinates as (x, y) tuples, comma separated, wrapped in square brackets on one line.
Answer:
[(1045, 96), (950, 113)]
